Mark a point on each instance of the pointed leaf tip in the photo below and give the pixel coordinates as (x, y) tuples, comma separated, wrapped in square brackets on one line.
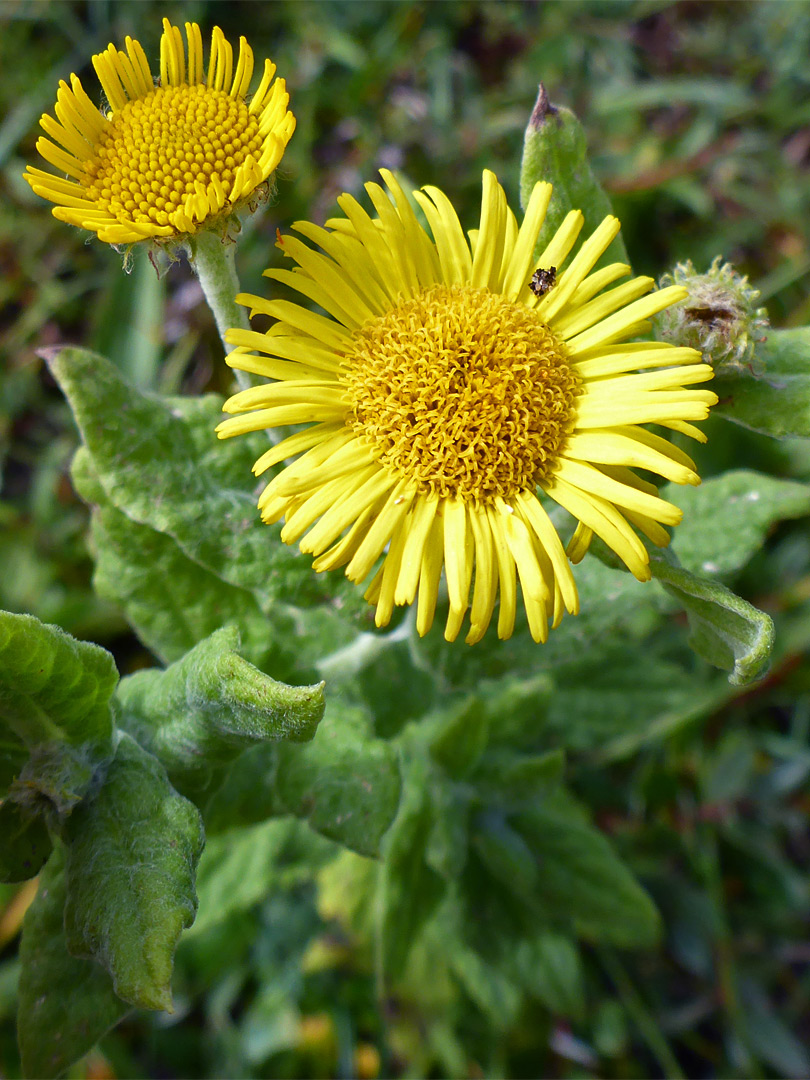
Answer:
[(542, 109)]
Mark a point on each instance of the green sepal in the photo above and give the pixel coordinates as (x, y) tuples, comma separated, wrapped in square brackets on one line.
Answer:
[(26, 843), (132, 851), (555, 149), (726, 630), (773, 397), (66, 1004), (204, 710)]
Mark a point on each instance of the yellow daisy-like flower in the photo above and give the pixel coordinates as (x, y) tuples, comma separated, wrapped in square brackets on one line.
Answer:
[(444, 390), (166, 158)]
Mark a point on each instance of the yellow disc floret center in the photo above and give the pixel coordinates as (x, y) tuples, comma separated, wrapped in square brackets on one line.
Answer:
[(463, 391), (159, 148)]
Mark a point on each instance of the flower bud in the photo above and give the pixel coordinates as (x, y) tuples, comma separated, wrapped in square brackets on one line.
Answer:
[(719, 317)]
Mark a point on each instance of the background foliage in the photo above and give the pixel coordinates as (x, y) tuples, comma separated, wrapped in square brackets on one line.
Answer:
[(698, 123)]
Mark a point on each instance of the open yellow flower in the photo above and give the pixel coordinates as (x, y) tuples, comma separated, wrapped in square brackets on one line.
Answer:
[(166, 158), (442, 391)]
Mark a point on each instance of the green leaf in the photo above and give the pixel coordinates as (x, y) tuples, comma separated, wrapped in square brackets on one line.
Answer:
[(173, 603), (489, 987), (461, 740), (605, 706), (346, 783), (247, 794), (581, 880), (132, 851), (446, 850), (769, 1037), (236, 872), (200, 713), (55, 706), (130, 318), (774, 397), (727, 518), (726, 631), (507, 856), (66, 1004), (159, 462), (26, 843), (549, 967), (53, 688), (512, 780), (555, 149), (409, 889)]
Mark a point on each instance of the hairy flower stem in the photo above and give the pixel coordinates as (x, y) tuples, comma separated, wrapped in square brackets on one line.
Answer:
[(213, 262)]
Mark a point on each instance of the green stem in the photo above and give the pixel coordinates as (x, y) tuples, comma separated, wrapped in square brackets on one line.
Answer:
[(640, 1014), (214, 264), (709, 864)]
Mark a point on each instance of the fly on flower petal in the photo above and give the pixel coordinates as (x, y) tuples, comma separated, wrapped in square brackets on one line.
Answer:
[(166, 157), (441, 394)]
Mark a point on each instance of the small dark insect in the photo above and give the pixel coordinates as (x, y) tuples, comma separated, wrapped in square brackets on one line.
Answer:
[(543, 280)]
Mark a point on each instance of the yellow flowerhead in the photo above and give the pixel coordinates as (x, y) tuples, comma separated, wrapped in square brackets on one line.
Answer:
[(444, 390), (165, 158)]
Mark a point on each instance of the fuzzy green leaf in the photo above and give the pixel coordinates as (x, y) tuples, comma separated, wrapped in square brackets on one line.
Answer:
[(581, 879), (26, 843), (159, 462), (726, 519), (204, 710), (514, 780), (345, 782), (409, 888), (461, 740), (726, 631), (548, 966), (173, 603), (53, 688), (555, 150), (236, 872), (132, 851), (66, 1003), (489, 987), (774, 397), (55, 726), (602, 706), (507, 857)]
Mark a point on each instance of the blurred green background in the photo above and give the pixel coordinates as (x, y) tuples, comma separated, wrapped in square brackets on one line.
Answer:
[(698, 119)]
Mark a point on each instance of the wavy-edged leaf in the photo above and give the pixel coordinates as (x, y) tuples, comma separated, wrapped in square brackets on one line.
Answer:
[(204, 710), (66, 1003), (159, 462), (132, 851), (53, 688)]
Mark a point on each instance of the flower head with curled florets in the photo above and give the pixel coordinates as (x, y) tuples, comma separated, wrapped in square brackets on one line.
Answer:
[(449, 397), (166, 158)]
